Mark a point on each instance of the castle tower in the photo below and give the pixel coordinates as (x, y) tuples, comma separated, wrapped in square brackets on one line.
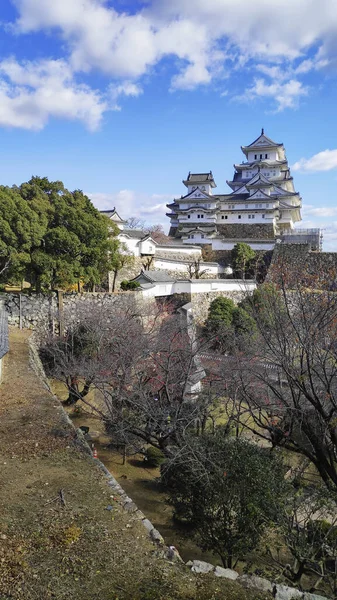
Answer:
[(261, 207)]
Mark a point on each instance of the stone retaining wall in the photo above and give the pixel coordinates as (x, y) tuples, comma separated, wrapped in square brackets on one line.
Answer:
[(43, 309), (245, 231), (201, 302), (296, 263)]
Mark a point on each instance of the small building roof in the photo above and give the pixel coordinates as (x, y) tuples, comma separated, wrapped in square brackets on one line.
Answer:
[(199, 178), (134, 233), (112, 214), (193, 192), (4, 345), (154, 277), (263, 141)]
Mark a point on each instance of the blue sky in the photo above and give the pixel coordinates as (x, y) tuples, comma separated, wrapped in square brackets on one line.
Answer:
[(123, 98)]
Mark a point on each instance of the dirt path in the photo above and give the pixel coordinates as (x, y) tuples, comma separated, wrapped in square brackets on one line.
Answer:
[(81, 550)]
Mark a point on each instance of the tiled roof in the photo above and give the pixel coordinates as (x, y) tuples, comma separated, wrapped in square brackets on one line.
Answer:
[(200, 177), (134, 233), (154, 276), (4, 347), (112, 213)]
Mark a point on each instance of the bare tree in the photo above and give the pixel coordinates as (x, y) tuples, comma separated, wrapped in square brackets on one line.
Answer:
[(288, 373), (308, 525), (194, 270), (135, 223), (143, 367)]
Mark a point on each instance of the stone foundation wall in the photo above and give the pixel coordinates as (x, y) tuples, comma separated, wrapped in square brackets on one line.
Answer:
[(245, 231), (177, 255), (201, 303), (295, 263), (43, 309)]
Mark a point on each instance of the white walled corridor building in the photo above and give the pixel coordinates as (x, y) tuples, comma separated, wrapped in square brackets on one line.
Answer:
[(262, 206)]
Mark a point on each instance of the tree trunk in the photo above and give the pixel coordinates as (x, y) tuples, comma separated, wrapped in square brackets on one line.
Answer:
[(75, 394), (114, 280)]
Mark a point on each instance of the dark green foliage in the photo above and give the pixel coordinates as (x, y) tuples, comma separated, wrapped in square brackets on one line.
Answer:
[(220, 312), (129, 285), (242, 259), (52, 237), (265, 305), (154, 457), (243, 322), (229, 490), (228, 325)]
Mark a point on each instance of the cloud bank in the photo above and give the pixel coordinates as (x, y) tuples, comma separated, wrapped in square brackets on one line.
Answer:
[(322, 161), (206, 40)]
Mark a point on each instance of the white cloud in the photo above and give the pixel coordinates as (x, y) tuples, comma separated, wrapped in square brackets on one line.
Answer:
[(286, 95), (31, 93), (130, 203), (128, 88), (209, 37), (322, 161), (323, 211), (321, 218)]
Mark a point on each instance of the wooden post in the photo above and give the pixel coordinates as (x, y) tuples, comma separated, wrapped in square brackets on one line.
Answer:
[(60, 311)]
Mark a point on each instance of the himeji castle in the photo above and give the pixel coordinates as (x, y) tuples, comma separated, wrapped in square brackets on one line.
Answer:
[(261, 208)]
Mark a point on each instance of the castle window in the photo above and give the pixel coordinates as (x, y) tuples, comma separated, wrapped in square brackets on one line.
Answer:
[(198, 216), (226, 217), (260, 156), (262, 216), (201, 216), (222, 217), (202, 236), (266, 155), (239, 216), (255, 156), (188, 216)]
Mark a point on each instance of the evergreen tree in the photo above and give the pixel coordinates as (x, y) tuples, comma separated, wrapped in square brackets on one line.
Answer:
[(53, 237), (242, 256)]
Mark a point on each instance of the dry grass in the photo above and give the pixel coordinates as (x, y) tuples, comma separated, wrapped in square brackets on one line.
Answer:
[(81, 550)]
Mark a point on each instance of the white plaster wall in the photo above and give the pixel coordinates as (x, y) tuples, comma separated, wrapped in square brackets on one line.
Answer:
[(197, 238), (172, 265), (272, 154), (220, 245), (233, 218), (193, 218), (147, 247), (199, 286), (201, 187), (178, 249), (131, 244)]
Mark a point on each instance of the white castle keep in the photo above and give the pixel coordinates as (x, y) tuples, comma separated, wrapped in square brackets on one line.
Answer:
[(262, 207)]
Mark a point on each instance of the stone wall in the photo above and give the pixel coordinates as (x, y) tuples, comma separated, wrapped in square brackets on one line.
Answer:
[(177, 255), (201, 302), (296, 263), (245, 231), (43, 309)]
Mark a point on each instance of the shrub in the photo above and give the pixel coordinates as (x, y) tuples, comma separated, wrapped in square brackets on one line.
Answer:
[(154, 457), (129, 285)]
